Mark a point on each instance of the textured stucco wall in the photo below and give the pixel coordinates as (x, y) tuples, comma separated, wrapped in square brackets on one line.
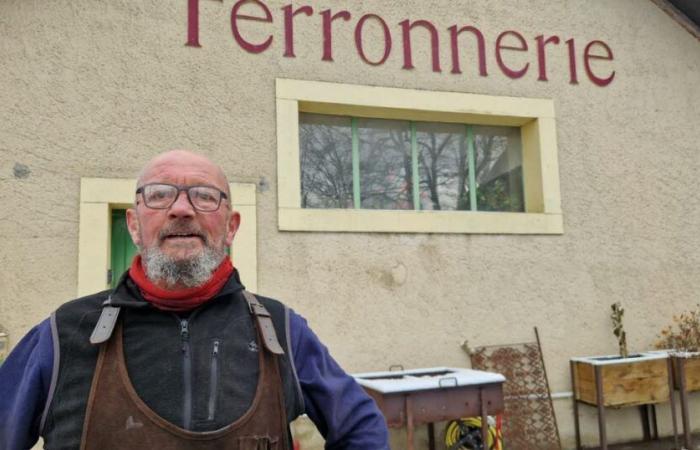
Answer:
[(95, 89)]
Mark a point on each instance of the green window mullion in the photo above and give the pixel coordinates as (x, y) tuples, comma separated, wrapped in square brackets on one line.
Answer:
[(355, 165), (414, 167), (472, 168)]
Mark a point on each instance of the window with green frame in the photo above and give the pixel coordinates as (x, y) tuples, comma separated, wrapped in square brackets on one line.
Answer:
[(369, 163)]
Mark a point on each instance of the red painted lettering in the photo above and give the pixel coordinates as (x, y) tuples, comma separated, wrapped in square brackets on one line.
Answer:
[(434, 43), (193, 23), (235, 16), (289, 14), (368, 43), (454, 34), (358, 39), (328, 33), (587, 65), (511, 73), (541, 56), (573, 76)]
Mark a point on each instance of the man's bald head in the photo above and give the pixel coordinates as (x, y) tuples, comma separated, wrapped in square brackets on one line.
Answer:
[(172, 160)]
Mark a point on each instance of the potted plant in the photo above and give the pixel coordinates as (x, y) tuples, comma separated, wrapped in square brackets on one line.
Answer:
[(625, 379), (619, 380), (681, 340)]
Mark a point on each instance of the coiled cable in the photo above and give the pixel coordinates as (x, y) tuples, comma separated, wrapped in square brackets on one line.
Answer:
[(465, 434)]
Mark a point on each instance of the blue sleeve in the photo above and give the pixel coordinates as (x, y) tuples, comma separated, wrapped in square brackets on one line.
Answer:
[(344, 414), (25, 377)]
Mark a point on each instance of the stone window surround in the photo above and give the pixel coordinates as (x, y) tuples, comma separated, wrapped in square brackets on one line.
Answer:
[(535, 117)]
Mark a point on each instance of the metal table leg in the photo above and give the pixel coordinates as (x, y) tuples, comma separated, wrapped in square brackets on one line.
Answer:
[(684, 403), (484, 419), (601, 409), (654, 425), (409, 423), (431, 436), (573, 389), (672, 399), (644, 414)]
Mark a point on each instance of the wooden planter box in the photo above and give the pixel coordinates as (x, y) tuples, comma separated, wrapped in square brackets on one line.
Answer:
[(691, 369), (636, 380)]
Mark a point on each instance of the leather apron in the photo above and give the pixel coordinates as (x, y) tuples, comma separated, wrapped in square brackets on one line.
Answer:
[(117, 419)]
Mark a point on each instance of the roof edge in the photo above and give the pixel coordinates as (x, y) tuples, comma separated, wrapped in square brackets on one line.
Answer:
[(690, 26)]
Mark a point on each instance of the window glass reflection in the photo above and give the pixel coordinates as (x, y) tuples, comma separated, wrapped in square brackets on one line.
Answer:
[(385, 155), (443, 166), (385, 164), (326, 161), (498, 164)]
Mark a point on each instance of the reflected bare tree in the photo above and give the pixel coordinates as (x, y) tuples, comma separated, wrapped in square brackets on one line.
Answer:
[(385, 165), (326, 166), (444, 170)]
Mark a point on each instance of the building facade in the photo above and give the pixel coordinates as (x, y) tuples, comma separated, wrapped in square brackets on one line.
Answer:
[(411, 175)]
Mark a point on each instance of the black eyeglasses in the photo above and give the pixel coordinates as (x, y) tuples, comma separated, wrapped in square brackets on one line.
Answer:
[(162, 196)]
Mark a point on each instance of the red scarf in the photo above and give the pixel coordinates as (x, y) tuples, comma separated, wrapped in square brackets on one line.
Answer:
[(181, 299)]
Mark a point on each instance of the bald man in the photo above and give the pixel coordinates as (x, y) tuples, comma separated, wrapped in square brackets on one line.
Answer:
[(179, 355)]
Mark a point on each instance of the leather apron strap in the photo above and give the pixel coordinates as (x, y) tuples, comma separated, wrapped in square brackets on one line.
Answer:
[(267, 329), (105, 324), (108, 318)]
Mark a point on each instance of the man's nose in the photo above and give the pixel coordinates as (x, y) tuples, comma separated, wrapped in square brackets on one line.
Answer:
[(182, 206)]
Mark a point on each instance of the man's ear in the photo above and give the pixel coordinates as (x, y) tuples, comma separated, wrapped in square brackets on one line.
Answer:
[(132, 224), (233, 223)]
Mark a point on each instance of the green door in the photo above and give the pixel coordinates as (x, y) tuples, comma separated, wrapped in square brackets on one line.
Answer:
[(123, 249)]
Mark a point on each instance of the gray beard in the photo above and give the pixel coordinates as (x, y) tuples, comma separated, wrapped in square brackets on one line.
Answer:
[(192, 272)]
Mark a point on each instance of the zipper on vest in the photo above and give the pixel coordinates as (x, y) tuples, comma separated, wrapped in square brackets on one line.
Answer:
[(187, 375), (213, 380)]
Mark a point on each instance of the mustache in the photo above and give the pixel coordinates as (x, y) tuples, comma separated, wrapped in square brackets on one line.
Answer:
[(181, 228)]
